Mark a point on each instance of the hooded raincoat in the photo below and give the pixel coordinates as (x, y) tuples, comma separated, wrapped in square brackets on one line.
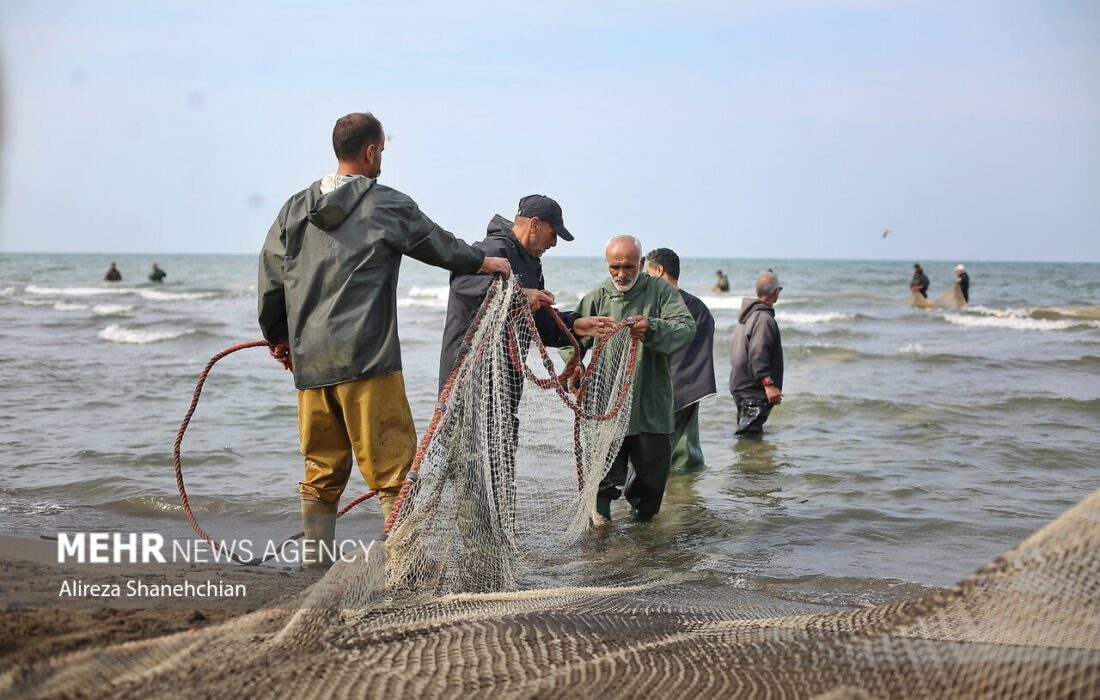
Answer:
[(467, 291), (756, 350), (328, 277)]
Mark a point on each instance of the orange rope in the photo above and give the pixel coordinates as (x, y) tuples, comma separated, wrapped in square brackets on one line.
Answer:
[(553, 381), (179, 467)]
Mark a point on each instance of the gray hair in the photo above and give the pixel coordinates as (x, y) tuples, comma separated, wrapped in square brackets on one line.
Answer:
[(767, 283), (616, 241)]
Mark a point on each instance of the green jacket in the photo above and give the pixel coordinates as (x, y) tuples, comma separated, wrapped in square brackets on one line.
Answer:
[(671, 327), (328, 277)]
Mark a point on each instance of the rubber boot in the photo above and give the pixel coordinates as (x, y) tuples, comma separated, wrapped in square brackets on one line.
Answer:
[(386, 498), (603, 508), (319, 541)]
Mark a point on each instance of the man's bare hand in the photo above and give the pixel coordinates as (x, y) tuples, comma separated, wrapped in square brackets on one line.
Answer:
[(593, 326), (281, 352), (775, 396), (495, 266), (640, 328), (539, 299), (573, 383)]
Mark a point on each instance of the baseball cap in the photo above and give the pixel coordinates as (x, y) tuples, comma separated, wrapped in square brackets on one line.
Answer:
[(545, 209)]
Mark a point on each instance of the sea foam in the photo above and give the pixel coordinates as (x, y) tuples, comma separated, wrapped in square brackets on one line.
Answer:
[(426, 297), (1017, 322), (69, 306), (799, 318), (111, 309), (139, 336), (157, 295), (76, 291)]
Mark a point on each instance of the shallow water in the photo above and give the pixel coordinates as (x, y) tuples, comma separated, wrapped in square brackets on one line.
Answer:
[(912, 445)]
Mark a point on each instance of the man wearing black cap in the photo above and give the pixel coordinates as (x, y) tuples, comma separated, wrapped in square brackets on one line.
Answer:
[(537, 228)]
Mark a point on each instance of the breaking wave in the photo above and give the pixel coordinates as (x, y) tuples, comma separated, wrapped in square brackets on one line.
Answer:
[(427, 297), (1020, 323), (805, 317), (76, 291), (137, 336), (69, 306), (156, 295), (112, 309)]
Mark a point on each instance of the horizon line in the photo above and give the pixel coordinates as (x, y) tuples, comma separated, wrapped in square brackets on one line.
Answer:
[(567, 255)]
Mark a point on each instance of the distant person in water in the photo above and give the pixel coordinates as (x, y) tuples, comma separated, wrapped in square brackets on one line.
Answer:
[(919, 283), (157, 274), (962, 279), (723, 283), (756, 358), (113, 275)]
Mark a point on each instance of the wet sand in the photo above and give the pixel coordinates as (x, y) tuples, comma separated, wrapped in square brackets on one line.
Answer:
[(36, 622)]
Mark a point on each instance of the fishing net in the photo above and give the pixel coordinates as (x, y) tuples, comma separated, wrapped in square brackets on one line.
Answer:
[(951, 299), (511, 462), (451, 605)]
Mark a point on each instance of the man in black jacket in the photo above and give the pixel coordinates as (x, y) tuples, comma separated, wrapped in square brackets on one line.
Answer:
[(919, 283), (692, 366), (756, 358), (537, 228), (328, 304)]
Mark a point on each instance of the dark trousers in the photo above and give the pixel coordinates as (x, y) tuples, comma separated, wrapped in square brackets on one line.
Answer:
[(752, 413), (687, 453), (640, 472)]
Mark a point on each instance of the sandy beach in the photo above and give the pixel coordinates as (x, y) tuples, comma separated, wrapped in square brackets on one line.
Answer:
[(37, 622)]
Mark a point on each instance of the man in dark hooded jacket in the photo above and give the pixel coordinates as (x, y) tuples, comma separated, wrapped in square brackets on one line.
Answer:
[(919, 283), (537, 228), (756, 358), (692, 366), (328, 304)]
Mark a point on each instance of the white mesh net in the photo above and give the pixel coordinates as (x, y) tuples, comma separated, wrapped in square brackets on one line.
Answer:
[(511, 462)]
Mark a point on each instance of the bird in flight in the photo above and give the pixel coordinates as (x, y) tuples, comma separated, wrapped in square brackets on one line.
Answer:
[(885, 233)]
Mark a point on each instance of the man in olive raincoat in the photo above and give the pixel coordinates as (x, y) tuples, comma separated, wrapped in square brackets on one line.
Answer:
[(328, 304), (663, 325)]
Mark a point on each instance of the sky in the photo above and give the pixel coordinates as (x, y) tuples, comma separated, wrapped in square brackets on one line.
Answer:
[(781, 129)]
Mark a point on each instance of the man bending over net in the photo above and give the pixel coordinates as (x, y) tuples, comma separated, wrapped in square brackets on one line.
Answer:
[(663, 325), (538, 226)]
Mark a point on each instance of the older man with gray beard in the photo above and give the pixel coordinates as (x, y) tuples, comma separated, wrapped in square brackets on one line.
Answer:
[(756, 358), (662, 325)]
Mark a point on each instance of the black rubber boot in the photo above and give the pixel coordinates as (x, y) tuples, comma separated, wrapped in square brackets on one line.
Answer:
[(603, 508)]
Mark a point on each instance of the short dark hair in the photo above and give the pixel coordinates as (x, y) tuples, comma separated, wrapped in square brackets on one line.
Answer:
[(354, 132), (667, 259)]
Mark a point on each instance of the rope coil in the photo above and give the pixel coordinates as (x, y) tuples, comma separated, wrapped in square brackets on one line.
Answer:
[(176, 461)]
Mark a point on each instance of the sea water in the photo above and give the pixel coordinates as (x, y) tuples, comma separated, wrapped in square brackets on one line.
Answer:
[(912, 445)]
